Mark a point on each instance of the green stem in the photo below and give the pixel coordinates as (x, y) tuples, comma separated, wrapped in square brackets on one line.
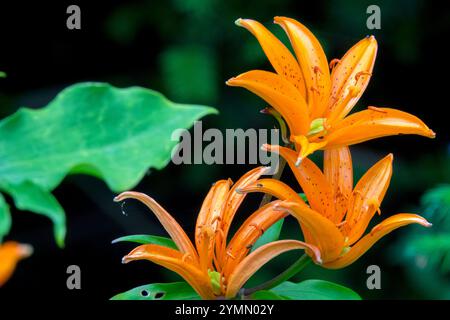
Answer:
[(295, 268)]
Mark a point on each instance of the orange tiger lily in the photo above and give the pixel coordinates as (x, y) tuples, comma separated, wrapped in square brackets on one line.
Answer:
[(11, 253), (211, 266), (314, 102), (338, 214)]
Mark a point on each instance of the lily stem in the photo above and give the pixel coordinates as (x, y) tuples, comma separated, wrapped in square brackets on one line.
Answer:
[(295, 268)]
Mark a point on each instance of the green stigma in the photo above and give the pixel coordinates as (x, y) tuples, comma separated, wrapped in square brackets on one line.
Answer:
[(214, 276), (317, 125)]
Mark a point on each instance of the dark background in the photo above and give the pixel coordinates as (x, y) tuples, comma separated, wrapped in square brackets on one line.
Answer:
[(187, 49)]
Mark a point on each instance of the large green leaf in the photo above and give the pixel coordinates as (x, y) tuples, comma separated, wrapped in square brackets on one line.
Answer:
[(90, 128), (148, 239), (315, 290), (160, 291), (266, 295)]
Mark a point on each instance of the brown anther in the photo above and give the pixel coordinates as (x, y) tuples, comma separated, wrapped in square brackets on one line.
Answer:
[(249, 246), (317, 70), (259, 185), (376, 109), (362, 73), (333, 63)]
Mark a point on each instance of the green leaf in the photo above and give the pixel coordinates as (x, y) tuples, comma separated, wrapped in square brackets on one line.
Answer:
[(160, 291), (266, 295), (148, 239), (270, 235), (2, 74), (89, 128), (303, 196), (31, 197), (315, 290), (5, 218)]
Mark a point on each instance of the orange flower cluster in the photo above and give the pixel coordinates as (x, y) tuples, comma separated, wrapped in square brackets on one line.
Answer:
[(315, 103)]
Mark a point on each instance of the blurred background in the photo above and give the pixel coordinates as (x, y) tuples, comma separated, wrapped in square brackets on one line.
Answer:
[(187, 49)]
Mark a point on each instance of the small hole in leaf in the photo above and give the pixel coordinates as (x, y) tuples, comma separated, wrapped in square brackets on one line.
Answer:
[(160, 295), (145, 293)]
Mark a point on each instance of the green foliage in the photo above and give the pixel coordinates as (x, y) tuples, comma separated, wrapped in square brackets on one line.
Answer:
[(148, 239), (426, 254), (89, 128), (308, 290), (160, 291), (5, 217), (315, 290)]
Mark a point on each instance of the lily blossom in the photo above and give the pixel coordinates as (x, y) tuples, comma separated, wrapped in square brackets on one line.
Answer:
[(210, 265), (315, 102), (11, 253), (338, 214)]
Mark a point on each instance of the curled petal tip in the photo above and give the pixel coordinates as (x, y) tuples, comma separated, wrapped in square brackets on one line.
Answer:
[(238, 22), (125, 260), (265, 111), (431, 133), (427, 224), (26, 250)]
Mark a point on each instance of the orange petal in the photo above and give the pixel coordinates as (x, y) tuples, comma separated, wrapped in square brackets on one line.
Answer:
[(313, 64), (11, 253), (249, 232), (379, 231), (234, 200), (279, 56), (176, 261), (326, 235), (375, 123), (273, 187), (311, 179), (367, 197), (338, 171), (307, 148), (350, 77), (208, 221), (169, 223), (280, 94), (253, 262)]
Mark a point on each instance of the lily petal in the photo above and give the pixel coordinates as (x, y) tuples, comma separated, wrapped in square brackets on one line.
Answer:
[(338, 171), (254, 261), (350, 78), (208, 221), (168, 222), (313, 64), (280, 94), (367, 197), (273, 187), (311, 179), (249, 232), (306, 147), (177, 262), (279, 56), (234, 200), (326, 235), (379, 231), (375, 123)]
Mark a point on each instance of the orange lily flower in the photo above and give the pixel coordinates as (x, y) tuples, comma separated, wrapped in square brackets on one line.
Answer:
[(211, 266), (338, 214), (11, 253), (314, 102)]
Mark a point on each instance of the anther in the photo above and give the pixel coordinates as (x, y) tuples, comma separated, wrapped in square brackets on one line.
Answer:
[(376, 109), (362, 73), (333, 63)]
